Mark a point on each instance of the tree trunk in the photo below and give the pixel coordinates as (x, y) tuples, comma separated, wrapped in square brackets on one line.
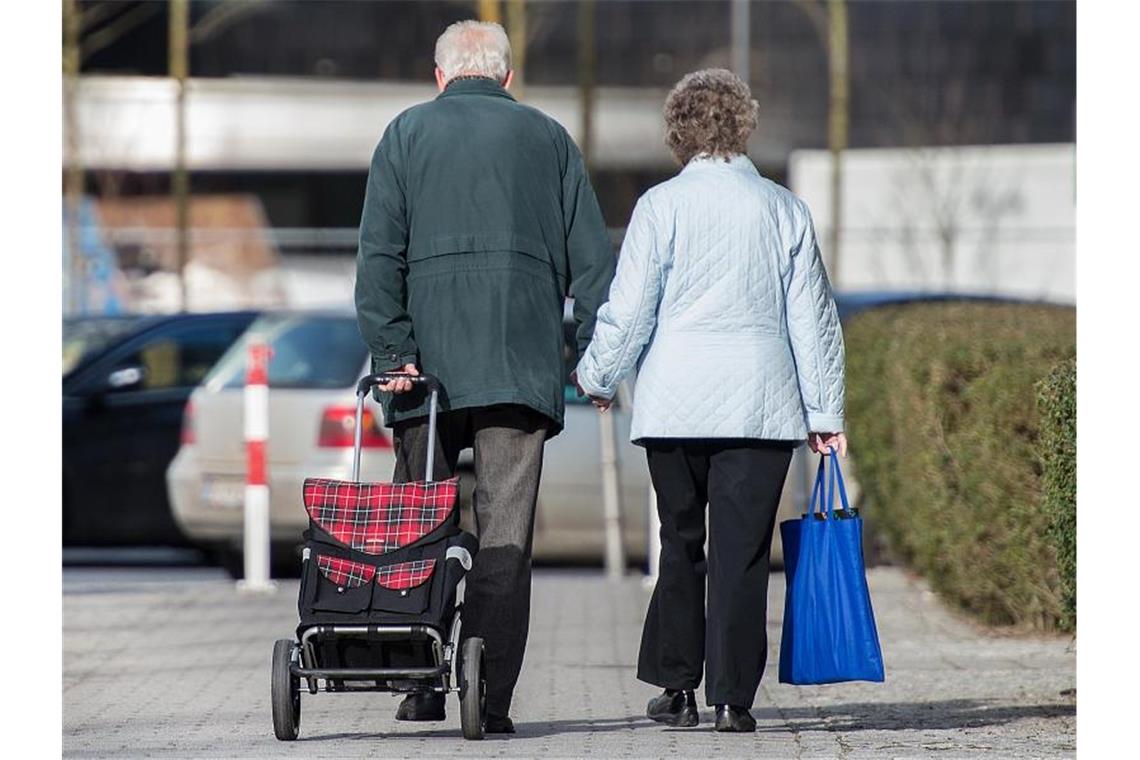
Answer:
[(75, 277), (837, 123), (180, 179)]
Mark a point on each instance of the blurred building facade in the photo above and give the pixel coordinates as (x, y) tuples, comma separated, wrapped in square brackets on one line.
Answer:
[(287, 98)]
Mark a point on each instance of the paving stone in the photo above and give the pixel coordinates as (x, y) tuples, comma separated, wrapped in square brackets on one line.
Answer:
[(177, 665)]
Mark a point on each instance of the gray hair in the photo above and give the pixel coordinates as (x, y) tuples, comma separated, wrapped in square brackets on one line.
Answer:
[(473, 48)]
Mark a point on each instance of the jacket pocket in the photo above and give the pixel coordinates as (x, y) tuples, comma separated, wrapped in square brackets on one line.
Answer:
[(404, 587), (341, 585)]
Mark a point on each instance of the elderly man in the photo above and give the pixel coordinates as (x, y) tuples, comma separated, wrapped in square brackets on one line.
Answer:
[(479, 220)]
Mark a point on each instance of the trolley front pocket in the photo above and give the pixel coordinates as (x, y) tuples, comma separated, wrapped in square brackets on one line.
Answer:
[(342, 585), (404, 587)]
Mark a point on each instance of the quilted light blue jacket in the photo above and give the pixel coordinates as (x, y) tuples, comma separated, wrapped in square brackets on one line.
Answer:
[(722, 302)]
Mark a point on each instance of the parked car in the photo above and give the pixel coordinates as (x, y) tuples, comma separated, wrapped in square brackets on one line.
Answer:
[(125, 383), (317, 359)]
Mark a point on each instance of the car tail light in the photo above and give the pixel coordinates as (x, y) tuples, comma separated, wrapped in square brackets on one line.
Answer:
[(187, 436), (337, 428)]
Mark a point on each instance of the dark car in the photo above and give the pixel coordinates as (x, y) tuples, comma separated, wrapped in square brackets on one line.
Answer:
[(126, 381)]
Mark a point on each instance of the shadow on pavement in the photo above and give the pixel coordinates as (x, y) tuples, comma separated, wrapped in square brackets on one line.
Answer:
[(527, 730), (858, 716), (907, 716)]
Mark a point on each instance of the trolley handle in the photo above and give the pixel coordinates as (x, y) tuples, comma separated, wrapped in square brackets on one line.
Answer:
[(369, 381), (365, 385)]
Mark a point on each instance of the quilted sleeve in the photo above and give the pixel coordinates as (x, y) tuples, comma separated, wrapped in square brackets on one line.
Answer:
[(627, 319), (815, 333)]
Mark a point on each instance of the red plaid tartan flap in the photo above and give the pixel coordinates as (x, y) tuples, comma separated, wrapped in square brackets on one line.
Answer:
[(375, 518), (405, 575), (344, 572)]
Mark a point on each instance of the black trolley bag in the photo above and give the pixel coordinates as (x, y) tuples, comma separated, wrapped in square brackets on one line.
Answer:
[(379, 583)]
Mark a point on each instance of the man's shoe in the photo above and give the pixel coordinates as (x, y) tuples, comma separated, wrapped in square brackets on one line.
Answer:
[(498, 724), (426, 705), (734, 719), (674, 708)]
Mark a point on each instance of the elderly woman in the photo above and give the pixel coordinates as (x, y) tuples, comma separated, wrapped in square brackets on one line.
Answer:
[(721, 300)]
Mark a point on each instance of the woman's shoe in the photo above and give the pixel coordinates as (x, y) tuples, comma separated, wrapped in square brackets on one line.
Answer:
[(674, 707), (734, 719)]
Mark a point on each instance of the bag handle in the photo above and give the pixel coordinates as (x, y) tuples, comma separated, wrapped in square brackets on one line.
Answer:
[(817, 500), (836, 474)]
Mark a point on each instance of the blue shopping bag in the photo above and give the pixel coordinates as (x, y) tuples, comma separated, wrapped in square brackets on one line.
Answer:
[(829, 628)]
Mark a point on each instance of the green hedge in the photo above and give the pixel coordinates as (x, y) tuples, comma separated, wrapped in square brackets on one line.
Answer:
[(945, 433), (1057, 403)]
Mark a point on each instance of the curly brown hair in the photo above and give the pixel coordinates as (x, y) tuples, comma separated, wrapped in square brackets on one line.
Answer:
[(709, 111)]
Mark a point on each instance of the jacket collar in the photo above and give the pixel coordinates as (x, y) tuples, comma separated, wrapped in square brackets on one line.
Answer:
[(474, 86), (705, 162)]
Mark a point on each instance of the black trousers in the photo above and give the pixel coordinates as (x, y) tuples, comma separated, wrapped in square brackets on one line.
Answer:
[(740, 481), (508, 440)]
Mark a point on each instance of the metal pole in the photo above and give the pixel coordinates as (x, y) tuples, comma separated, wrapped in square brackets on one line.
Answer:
[(611, 498), (653, 550), (358, 435), (180, 181), (433, 415), (256, 423), (489, 11), (75, 279), (611, 491), (516, 31), (741, 39), (587, 62), (837, 118)]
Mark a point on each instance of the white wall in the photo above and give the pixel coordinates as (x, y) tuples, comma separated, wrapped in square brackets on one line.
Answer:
[(272, 123), (1003, 216)]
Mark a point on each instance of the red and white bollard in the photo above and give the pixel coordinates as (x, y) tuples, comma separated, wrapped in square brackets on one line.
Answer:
[(256, 419)]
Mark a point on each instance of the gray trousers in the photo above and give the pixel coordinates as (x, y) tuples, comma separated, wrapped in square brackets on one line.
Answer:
[(508, 440)]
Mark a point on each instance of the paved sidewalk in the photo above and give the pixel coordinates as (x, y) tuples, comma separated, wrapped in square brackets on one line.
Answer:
[(176, 664)]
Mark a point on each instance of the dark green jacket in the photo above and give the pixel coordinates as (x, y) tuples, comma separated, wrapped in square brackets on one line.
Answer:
[(478, 221)]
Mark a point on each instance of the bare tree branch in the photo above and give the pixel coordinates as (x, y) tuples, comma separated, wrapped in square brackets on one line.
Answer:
[(124, 23), (818, 16), (222, 16), (97, 14)]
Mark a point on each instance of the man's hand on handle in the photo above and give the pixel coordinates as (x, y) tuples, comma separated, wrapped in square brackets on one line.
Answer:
[(400, 386), (822, 443)]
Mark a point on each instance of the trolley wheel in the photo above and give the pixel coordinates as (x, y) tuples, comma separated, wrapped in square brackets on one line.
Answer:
[(472, 689), (286, 693)]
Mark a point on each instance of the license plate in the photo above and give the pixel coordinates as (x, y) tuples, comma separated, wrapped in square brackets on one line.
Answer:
[(226, 494)]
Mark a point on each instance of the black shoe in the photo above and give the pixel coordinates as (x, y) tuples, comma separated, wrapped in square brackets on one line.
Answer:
[(498, 724), (734, 719), (674, 708), (426, 705)]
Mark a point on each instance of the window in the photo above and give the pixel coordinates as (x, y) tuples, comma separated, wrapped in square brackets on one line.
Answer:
[(181, 356), (308, 352), (84, 338)]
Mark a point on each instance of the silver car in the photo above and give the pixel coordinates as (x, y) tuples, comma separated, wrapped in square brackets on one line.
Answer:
[(317, 359)]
